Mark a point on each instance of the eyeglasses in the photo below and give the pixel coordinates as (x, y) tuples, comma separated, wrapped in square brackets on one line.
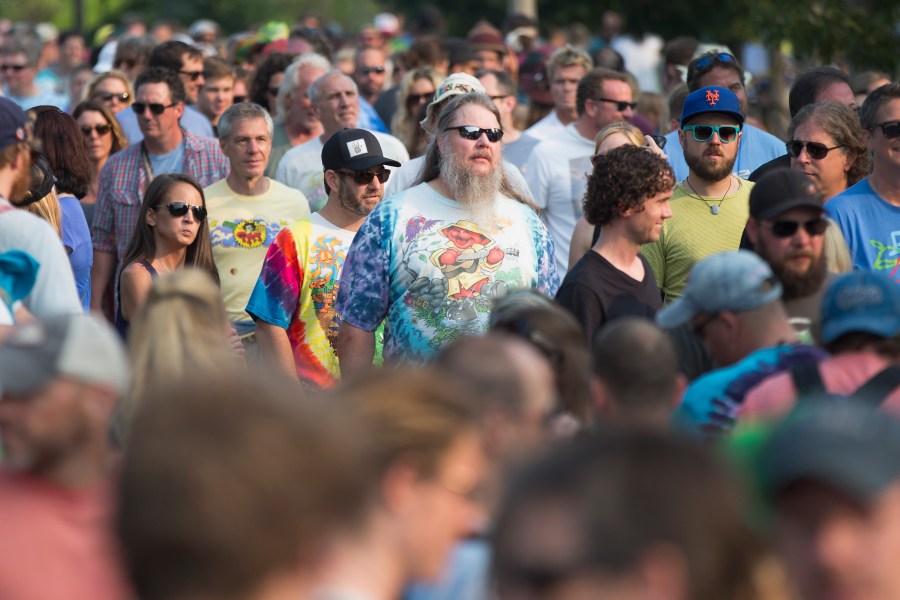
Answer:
[(15, 68), (660, 141), (179, 209), (815, 150), (100, 129), (272, 91), (107, 96), (416, 99), (704, 62), (366, 177), (194, 75), (129, 63), (703, 133), (470, 132), (156, 109), (621, 105), (785, 229), (890, 129), (368, 70), (701, 325), (239, 99)]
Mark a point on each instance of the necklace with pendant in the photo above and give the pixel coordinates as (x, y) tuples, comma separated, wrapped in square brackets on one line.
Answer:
[(714, 209)]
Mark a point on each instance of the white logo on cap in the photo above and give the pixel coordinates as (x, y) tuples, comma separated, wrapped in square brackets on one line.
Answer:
[(357, 147)]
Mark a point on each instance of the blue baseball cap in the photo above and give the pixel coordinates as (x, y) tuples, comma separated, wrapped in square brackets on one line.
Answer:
[(712, 99), (735, 281), (862, 302)]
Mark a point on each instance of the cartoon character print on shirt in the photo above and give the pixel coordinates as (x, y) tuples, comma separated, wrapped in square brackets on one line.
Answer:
[(244, 233), (467, 257), (888, 257), (326, 260)]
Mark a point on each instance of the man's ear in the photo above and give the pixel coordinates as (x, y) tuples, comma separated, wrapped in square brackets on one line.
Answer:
[(331, 179), (752, 230), (867, 140), (398, 486), (681, 137)]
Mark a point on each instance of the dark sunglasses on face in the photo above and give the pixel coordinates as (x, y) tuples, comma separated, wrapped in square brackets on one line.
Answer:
[(890, 129), (366, 177), (621, 105), (703, 133), (194, 75), (815, 150), (368, 70), (156, 109), (470, 132), (179, 209), (239, 99), (416, 99), (785, 229), (15, 68), (100, 129), (107, 96)]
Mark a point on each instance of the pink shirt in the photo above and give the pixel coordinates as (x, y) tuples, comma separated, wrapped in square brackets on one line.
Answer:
[(57, 542), (842, 374)]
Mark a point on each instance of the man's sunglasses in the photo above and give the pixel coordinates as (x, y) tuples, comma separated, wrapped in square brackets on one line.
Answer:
[(156, 109), (194, 75), (368, 70), (126, 62), (179, 209), (890, 129), (107, 96), (786, 229), (815, 150), (15, 68), (239, 99), (703, 133), (417, 99), (365, 177), (470, 132), (100, 129), (621, 105), (705, 62)]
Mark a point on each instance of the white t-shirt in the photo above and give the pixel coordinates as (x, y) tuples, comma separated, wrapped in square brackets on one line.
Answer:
[(301, 166), (557, 176), (546, 127)]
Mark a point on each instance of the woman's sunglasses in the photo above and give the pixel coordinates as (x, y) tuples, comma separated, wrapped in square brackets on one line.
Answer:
[(100, 129), (815, 150), (179, 209), (107, 96), (417, 99)]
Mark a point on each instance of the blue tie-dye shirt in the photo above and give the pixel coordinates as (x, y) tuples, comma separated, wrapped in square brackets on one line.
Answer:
[(421, 264)]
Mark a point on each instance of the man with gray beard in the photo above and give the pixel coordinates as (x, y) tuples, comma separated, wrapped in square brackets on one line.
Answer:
[(430, 260)]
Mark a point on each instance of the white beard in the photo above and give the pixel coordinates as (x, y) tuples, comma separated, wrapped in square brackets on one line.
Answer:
[(477, 194)]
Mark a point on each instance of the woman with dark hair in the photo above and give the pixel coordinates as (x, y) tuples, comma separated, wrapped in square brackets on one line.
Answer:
[(267, 80), (65, 148), (171, 233), (104, 138)]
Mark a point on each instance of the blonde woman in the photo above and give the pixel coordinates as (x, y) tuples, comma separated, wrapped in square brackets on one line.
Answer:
[(181, 331), (612, 136), (112, 89), (416, 91)]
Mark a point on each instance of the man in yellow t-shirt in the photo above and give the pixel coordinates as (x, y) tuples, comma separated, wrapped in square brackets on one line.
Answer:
[(711, 206), (246, 211)]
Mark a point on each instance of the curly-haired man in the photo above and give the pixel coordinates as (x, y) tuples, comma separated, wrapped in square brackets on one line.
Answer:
[(628, 196)]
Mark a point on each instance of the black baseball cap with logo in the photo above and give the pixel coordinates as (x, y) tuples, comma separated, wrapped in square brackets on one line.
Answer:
[(781, 190), (355, 149)]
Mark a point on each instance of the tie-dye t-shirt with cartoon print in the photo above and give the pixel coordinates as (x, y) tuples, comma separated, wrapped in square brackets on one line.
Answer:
[(420, 263), (296, 290)]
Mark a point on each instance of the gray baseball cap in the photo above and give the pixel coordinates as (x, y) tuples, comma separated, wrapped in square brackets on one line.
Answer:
[(735, 281), (82, 347)]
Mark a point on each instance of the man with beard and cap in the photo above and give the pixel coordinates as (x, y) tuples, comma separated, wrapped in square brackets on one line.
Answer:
[(293, 301), (431, 261), (54, 291), (710, 206), (787, 229)]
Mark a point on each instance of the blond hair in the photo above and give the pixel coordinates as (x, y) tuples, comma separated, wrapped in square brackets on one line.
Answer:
[(48, 209), (634, 135)]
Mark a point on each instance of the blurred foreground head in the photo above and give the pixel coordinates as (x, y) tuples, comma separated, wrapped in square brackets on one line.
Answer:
[(232, 487), (624, 515)]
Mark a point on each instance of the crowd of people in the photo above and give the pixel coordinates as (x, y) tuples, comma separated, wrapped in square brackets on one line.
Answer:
[(299, 314)]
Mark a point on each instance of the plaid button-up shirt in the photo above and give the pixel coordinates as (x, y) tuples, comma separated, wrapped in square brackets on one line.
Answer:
[(120, 190)]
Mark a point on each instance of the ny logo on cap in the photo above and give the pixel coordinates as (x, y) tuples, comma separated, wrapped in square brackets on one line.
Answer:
[(357, 147), (712, 97)]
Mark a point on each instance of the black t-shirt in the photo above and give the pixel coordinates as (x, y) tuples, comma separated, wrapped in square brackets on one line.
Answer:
[(596, 292)]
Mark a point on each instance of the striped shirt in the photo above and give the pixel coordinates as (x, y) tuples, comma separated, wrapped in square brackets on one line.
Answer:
[(123, 180)]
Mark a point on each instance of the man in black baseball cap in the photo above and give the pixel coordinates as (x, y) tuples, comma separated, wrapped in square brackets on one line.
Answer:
[(293, 301), (787, 229)]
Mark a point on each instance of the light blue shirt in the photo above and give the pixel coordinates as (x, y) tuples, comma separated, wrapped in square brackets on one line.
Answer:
[(757, 148)]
